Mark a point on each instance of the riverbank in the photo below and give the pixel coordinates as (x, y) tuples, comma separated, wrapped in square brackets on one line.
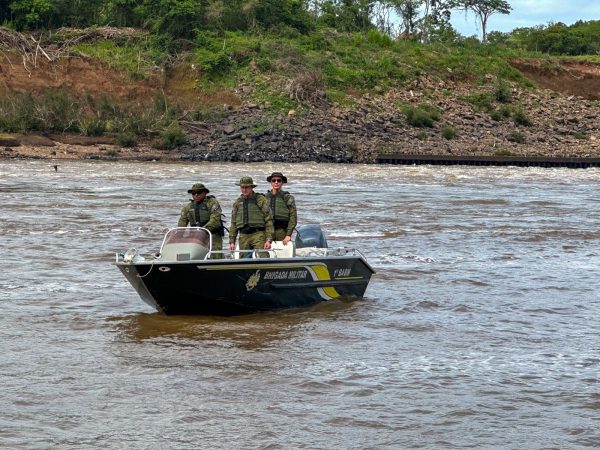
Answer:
[(558, 126), (557, 117)]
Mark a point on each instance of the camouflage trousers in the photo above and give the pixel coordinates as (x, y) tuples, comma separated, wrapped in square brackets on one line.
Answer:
[(217, 244), (254, 241), (280, 234)]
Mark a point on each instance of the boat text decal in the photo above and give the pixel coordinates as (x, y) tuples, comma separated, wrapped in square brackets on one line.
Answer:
[(286, 275)]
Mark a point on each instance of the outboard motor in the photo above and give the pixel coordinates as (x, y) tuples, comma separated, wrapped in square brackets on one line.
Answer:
[(310, 236)]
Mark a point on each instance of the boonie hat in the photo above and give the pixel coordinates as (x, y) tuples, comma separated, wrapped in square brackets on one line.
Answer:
[(245, 182), (198, 187), (277, 174)]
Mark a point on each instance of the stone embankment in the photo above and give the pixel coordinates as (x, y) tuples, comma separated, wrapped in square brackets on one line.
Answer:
[(560, 126)]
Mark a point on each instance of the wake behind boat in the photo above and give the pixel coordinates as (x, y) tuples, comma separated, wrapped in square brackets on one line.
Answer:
[(188, 277)]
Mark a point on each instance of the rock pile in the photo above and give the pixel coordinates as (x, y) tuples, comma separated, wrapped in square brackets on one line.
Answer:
[(551, 125)]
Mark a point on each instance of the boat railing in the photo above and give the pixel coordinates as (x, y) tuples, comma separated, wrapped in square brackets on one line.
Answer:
[(305, 252), (184, 244)]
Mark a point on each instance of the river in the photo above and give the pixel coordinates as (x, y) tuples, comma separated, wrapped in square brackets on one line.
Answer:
[(480, 328)]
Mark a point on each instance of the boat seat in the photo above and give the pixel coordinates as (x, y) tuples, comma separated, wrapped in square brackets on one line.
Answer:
[(279, 251), (283, 251), (311, 251)]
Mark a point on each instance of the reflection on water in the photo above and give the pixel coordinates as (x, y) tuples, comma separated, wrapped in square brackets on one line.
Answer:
[(480, 328), (252, 331)]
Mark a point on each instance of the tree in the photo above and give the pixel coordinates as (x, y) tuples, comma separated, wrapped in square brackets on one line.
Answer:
[(120, 13), (347, 15), (436, 19), (177, 18), (408, 10), (483, 9), (4, 11), (29, 14)]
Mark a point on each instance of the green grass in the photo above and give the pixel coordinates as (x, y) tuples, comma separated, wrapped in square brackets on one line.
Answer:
[(137, 60)]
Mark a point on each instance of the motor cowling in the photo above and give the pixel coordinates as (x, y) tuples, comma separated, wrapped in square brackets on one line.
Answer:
[(310, 236)]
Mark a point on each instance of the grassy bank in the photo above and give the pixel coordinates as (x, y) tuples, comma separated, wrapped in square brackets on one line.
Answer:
[(196, 79)]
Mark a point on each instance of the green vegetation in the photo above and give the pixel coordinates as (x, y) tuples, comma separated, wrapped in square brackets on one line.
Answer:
[(126, 139), (516, 136), (295, 54), (448, 132), (503, 152), (58, 110), (421, 116), (172, 137), (520, 118)]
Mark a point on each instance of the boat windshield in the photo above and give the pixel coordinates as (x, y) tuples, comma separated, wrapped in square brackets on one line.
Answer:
[(188, 236)]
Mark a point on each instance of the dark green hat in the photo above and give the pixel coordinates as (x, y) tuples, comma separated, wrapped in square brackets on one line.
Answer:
[(277, 174), (245, 182), (198, 187)]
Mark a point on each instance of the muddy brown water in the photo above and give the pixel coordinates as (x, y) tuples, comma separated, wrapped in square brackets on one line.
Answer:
[(480, 328)]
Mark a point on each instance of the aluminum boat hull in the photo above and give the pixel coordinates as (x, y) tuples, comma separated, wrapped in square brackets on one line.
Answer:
[(232, 287)]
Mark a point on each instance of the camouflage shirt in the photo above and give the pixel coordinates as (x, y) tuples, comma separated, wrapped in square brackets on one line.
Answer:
[(188, 215)]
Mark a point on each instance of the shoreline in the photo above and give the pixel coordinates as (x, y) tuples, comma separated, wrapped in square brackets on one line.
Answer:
[(111, 153), (556, 127)]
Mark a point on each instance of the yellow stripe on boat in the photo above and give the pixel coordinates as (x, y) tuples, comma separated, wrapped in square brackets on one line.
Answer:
[(322, 274)]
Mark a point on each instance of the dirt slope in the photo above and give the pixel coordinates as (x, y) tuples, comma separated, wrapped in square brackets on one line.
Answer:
[(581, 79)]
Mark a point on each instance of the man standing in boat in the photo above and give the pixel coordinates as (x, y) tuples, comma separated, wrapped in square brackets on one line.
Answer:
[(283, 208), (250, 218), (204, 211)]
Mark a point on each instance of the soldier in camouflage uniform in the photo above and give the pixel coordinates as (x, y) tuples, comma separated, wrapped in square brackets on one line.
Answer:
[(204, 211), (283, 208), (250, 218)]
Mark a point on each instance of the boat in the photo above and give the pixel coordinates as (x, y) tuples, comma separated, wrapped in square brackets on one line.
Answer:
[(187, 276)]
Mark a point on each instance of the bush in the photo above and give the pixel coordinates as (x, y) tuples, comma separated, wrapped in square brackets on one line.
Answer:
[(59, 111), (214, 64), (92, 127), (448, 132), (517, 137), (422, 136), (502, 92), (380, 39), (17, 113), (520, 118), (421, 116), (505, 111), (127, 139), (172, 137), (481, 101)]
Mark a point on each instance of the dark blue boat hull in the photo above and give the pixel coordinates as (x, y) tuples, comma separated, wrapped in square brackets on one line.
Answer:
[(232, 287)]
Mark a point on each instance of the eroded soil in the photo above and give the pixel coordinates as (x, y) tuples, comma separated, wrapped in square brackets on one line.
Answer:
[(581, 79)]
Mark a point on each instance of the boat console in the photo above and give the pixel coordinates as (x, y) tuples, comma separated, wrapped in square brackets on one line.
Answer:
[(185, 244)]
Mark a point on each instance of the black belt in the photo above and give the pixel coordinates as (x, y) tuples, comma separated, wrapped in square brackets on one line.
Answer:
[(249, 230)]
